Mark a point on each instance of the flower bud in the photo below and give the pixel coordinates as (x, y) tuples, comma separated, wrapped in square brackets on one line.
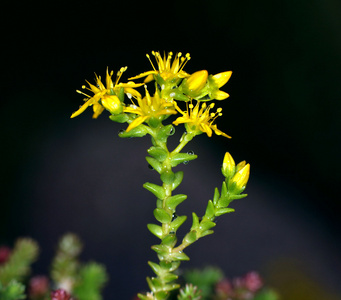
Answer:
[(241, 178), (112, 103), (197, 80), (240, 165), (228, 168), (222, 78)]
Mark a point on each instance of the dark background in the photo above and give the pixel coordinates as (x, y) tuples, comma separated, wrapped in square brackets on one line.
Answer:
[(60, 175)]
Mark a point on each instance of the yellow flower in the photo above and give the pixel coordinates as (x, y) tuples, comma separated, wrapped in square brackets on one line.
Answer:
[(166, 70), (200, 120), (149, 107), (105, 97)]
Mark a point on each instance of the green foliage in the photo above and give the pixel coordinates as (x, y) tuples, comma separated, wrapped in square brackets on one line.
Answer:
[(65, 263), (17, 267), (91, 279), (12, 291), (85, 280), (267, 294), (190, 292), (204, 279)]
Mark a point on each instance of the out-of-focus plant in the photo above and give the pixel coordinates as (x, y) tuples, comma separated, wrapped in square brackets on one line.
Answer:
[(69, 278)]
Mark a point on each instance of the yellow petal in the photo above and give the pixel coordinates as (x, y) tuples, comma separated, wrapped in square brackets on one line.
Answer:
[(136, 122), (220, 95), (221, 78), (81, 109), (143, 75), (219, 132), (98, 109)]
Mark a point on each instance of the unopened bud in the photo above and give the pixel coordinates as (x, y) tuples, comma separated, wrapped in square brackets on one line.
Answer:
[(220, 79), (241, 178), (113, 104), (240, 165), (228, 167), (197, 80)]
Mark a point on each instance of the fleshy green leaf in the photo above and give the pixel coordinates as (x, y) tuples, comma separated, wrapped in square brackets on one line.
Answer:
[(195, 222), (154, 163), (222, 211), (162, 215), (155, 229), (170, 277), (205, 225), (207, 232), (177, 223), (166, 131), (216, 196), (167, 177), (180, 256), (157, 190), (160, 249), (158, 153), (182, 157), (177, 180), (173, 201), (120, 118), (156, 268), (138, 131), (170, 240), (210, 210), (190, 237)]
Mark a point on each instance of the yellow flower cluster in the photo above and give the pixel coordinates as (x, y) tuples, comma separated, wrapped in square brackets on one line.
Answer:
[(173, 84)]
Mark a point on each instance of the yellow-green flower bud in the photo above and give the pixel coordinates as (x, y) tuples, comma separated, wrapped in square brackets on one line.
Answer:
[(241, 178), (220, 79), (240, 165), (112, 103), (197, 81), (228, 168)]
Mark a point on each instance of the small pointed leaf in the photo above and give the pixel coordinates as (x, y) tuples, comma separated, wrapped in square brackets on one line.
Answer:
[(173, 201), (182, 157), (138, 131), (155, 229), (162, 215), (210, 210), (154, 163), (222, 211), (157, 190), (195, 222), (158, 153), (177, 180), (177, 223)]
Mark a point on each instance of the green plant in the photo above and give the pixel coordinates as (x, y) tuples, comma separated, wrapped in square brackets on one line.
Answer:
[(151, 115)]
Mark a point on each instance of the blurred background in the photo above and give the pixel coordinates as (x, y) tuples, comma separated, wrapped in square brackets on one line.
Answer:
[(60, 175)]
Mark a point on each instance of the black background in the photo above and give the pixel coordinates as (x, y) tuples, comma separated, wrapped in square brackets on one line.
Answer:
[(283, 115)]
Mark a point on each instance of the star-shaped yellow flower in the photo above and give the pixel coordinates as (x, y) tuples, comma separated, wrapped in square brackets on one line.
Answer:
[(166, 69), (149, 107), (199, 120), (105, 97)]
